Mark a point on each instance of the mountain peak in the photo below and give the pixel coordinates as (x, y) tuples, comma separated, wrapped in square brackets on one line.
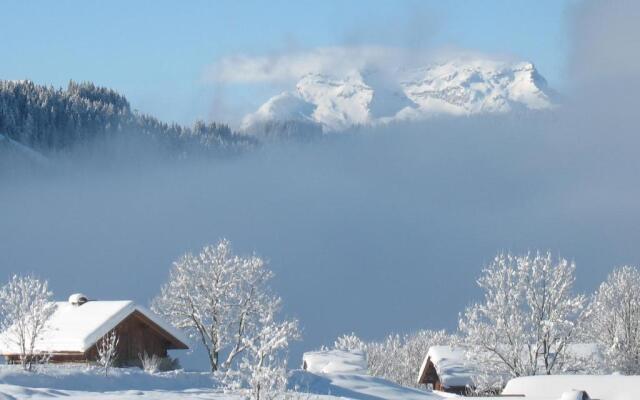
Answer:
[(372, 96)]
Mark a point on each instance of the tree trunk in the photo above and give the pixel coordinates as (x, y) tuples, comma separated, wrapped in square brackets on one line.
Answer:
[(213, 360)]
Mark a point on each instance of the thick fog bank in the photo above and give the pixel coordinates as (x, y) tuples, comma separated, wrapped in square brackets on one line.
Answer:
[(383, 230)]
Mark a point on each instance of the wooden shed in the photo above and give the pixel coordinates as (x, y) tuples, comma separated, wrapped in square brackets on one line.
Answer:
[(77, 326), (446, 369)]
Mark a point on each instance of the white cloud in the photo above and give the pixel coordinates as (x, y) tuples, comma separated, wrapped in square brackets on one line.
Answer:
[(290, 67)]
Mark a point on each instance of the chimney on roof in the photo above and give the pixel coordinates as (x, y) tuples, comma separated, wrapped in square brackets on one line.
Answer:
[(78, 299)]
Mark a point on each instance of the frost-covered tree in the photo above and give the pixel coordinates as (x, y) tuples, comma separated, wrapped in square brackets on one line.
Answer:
[(150, 362), (527, 318), (349, 342), (398, 357), (107, 349), (263, 365), (220, 299), (614, 320), (25, 307)]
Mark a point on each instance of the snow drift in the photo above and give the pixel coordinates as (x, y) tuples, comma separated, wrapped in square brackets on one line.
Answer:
[(602, 387)]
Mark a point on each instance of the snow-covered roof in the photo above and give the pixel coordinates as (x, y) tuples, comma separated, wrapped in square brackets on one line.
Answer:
[(335, 362), (451, 365), (75, 328)]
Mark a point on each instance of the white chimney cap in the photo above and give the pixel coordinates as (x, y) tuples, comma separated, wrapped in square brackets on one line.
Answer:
[(78, 299)]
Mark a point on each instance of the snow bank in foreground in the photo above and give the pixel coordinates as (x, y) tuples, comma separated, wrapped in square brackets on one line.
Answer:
[(335, 361), (356, 386), (344, 374), (13, 392), (602, 387), (79, 382), (91, 379)]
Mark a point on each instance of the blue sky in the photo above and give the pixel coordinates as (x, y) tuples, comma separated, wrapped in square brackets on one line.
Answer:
[(157, 52)]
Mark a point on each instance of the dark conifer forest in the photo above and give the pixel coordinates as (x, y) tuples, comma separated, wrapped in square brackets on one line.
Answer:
[(55, 120)]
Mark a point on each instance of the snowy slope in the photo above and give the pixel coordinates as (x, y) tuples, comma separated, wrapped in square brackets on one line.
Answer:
[(72, 382), (80, 382), (11, 149), (344, 374), (358, 387), (363, 97), (285, 106)]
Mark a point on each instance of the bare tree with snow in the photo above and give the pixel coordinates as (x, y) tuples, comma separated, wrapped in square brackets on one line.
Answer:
[(614, 320), (150, 363), (108, 351), (263, 365), (350, 342), (25, 307), (527, 318), (220, 299)]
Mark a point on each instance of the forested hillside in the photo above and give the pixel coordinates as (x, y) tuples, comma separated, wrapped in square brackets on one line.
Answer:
[(54, 120)]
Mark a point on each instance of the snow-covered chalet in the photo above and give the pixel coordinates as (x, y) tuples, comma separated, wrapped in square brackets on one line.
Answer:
[(445, 368), (78, 325)]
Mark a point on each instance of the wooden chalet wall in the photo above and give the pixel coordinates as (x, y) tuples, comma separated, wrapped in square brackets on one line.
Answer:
[(430, 377)]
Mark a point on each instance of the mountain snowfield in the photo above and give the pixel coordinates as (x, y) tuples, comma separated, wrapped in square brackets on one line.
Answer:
[(373, 96)]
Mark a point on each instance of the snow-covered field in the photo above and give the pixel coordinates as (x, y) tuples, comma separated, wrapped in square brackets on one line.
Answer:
[(86, 382), (22, 392), (131, 383), (356, 386), (82, 382), (344, 374), (329, 374)]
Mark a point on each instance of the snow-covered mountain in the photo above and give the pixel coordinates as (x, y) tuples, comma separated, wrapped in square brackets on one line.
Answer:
[(363, 97)]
